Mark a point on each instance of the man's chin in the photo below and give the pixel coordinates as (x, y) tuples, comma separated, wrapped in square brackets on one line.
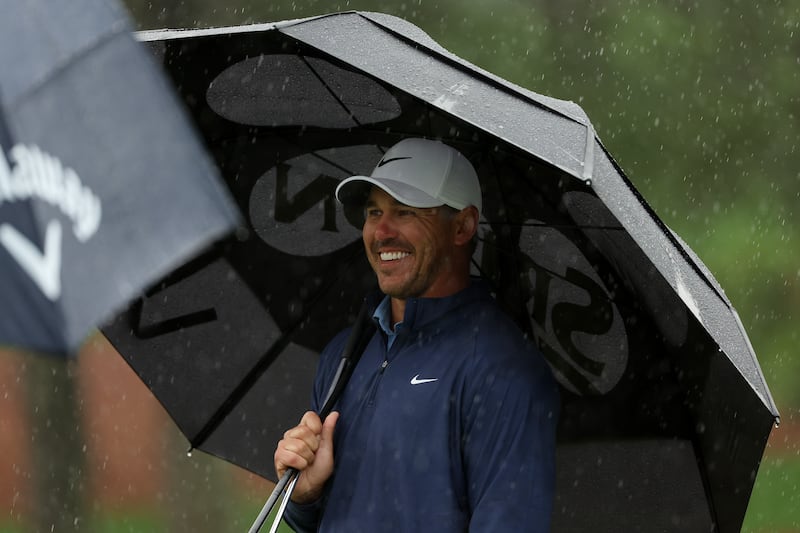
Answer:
[(399, 291)]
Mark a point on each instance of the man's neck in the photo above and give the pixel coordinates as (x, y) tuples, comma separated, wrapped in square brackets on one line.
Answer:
[(454, 280), (398, 310), (398, 305)]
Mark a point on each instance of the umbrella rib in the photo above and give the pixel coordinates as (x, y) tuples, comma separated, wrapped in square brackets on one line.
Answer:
[(330, 91), (663, 227), (244, 386), (329, 161), (588, 155), (332, 163), (476, 70), (555, 226), (236, 395)]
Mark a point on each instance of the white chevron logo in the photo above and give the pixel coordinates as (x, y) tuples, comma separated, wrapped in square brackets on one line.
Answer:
[(44, 268)]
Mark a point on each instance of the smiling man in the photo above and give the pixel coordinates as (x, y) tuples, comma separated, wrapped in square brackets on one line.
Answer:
[(448, 422)]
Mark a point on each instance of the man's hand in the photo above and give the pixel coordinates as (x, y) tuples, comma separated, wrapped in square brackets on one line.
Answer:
[(308, 448)]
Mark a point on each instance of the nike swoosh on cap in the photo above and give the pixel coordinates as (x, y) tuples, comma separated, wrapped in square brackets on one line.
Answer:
[(384, 161), (417, 381)]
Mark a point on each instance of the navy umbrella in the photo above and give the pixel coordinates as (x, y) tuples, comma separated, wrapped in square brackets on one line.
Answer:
[(104, 185), (665, 410)]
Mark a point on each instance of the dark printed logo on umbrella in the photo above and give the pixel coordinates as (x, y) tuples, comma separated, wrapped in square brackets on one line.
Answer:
[(39, 175), (579, 327), (293, 207), (574, 320)]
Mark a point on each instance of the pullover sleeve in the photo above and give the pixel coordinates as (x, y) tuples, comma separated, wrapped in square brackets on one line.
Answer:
[(303, 518), (508, 446)]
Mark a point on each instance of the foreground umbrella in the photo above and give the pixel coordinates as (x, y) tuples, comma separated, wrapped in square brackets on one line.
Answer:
[(666, 412), (104, 186)]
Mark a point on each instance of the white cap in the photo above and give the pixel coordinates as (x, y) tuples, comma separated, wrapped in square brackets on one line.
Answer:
[(419, 173)]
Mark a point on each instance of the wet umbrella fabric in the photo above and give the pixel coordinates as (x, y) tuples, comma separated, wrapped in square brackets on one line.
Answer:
[(661, 388), (104, 185)]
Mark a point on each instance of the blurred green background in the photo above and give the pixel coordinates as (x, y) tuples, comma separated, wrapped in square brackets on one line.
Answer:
[(699, 102)]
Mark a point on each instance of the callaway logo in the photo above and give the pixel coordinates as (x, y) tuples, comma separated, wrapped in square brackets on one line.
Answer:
[(42, 176), (416, 381), (43, 268), (384, 161)]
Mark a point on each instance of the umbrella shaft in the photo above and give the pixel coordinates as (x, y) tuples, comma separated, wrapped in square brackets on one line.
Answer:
[(282, 508), (359, 336), (288, 476)]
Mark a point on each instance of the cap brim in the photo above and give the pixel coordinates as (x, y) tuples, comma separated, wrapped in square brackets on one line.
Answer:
[(355, 190)]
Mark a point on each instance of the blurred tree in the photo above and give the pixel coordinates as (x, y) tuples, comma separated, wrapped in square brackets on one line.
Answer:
[(56, 440)]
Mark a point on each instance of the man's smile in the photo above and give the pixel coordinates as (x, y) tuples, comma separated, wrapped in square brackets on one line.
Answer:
[(392, 256)]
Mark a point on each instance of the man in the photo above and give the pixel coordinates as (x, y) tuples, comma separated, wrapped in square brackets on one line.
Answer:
[(448, 422)]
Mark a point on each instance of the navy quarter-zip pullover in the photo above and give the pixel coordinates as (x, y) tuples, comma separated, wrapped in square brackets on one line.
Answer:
[(451, 429)]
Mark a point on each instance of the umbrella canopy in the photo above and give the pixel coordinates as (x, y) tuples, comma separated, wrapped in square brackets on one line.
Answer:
[(661, 388), (104, 185)]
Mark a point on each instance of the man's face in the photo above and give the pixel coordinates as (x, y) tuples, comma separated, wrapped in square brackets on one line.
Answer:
[(410, 249)]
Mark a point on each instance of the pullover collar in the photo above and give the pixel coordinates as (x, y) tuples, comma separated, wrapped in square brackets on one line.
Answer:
[(420, 312)]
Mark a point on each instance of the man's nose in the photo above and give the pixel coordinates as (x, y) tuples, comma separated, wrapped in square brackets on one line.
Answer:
[(385, 227)]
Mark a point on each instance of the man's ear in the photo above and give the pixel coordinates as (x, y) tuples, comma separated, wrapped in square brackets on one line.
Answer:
[(466, 225)]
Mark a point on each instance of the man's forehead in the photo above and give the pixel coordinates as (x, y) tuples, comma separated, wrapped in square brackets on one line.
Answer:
[(376, 194)]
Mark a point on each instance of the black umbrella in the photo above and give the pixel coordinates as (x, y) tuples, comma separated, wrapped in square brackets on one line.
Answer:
[(104, 185), (665, 410)]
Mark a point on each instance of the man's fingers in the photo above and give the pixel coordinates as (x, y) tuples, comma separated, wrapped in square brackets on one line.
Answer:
[(312, 421), (293, 454), (302, 435), (308, 448), (328, 427), (299, 444), (298, 447)]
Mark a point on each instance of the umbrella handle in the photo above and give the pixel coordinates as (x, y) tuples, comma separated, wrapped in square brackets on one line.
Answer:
[(356, 343), (289, 475), (282, 508)]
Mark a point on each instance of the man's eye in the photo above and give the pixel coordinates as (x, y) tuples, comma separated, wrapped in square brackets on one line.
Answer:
[(406, 213), (373, 213)]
